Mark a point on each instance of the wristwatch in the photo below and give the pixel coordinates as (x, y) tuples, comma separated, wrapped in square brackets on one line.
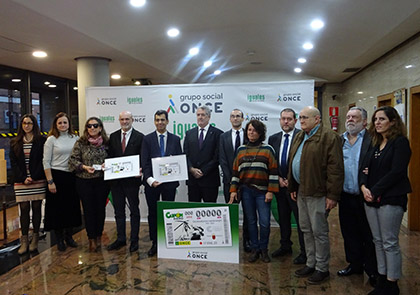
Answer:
[(51, 181)]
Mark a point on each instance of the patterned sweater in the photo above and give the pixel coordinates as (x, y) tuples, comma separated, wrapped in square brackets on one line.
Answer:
[(255, 166), (88, 155)]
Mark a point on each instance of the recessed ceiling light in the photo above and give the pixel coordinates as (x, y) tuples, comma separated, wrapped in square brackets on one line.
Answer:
[(52, 85), (137, 3), (75, 88), (173, 32), (137, 83), (39, 54), (308, 46), (207, 63), (47, 82), (317, 24), (360, 92), (298, 70), (116, 76), (301, 60), (194, 51), (16, 80), (408, 66), (217, 72)]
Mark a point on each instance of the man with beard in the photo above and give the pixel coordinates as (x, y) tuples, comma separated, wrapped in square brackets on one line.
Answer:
[(358, 244)]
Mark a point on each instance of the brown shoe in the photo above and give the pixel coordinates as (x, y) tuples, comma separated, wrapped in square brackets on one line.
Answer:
[(34, 243), (24, 245), (255, 254), (92, 245), (99, 242)]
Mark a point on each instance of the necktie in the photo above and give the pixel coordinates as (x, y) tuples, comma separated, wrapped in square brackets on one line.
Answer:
[(162, 145), (201, 139), (123, 143), (237, 141), (284, 156)]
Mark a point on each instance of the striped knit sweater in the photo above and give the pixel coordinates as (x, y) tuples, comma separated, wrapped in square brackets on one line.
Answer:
[(255, 166)]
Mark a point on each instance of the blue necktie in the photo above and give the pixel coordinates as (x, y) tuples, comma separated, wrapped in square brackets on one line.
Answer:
[(162, 145), (201, 139), (284, 156)]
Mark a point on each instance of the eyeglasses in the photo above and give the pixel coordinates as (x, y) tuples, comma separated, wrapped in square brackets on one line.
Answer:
[(92, 125)]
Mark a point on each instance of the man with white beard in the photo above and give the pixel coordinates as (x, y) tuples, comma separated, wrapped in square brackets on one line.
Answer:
[(358, 244)]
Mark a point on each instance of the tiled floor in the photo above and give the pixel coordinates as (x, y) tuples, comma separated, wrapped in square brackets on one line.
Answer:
[(78, 272)]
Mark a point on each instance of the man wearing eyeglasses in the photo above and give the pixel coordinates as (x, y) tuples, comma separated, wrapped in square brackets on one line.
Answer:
[(316, 177), (126, 142)]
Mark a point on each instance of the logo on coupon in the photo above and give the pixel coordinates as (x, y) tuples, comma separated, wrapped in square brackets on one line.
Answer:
[(175, 216)]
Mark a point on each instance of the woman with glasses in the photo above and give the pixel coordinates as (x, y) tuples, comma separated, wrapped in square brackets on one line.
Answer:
[(255, 176), (28, 178), (62, 209), (86, 161)]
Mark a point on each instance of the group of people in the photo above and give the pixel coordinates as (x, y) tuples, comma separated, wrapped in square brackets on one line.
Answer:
[(308, 171)]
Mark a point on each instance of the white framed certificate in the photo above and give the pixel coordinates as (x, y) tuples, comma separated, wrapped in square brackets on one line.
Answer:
[(122, 167), (171, 168)]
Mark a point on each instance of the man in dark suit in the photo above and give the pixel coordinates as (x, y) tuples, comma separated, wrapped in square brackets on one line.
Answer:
[(229, 142), (201, 145), (281, 143), (126, 142), (358, 243), (159, 143)]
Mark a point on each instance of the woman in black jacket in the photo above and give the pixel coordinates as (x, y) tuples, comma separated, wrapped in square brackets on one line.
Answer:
[(26, 151), (385, 187)]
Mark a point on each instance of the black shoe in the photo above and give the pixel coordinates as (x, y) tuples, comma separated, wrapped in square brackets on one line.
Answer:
[(304, 272), (373, 279), (255, 254), (152, 251), (116, 245), (318, 277), (301, 259), (247, 246), (349, 270), (134, 246), (264, 256), (71, 243), (281, 252), (61, 246)]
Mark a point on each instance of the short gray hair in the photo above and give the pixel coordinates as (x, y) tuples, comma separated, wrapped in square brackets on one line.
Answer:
[(206, 109), (362, 110)]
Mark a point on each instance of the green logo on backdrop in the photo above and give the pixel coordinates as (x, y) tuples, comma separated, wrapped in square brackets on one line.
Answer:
[(107, 119), (256, 97), (135, 100)]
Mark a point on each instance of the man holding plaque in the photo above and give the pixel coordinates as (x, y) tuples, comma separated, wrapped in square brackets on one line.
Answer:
[(126, 142), (159, 143)]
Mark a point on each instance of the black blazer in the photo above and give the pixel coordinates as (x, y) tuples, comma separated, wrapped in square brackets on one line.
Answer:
[(150, 149), (275, 141), (35, 162), (392, 173), (133, 147), (227, 155), (206, 159)]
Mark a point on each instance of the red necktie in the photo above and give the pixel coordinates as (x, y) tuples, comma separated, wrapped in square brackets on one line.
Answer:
[(123, 144)]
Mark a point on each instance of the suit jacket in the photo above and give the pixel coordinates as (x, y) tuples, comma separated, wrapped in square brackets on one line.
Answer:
[(206, 159), (275, 141), (133, 147), (151, 149), (227, 155)]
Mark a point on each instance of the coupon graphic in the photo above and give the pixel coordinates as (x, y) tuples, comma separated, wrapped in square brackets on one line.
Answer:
[(197, 227)]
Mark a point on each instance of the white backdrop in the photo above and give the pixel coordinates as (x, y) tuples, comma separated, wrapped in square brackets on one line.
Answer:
[(261, 101)]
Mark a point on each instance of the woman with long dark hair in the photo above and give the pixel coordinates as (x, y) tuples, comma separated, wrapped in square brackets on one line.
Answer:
[(62, 209), (28, 178), (385, 187), (87, 157)]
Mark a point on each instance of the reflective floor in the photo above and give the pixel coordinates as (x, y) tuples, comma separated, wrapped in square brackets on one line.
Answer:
[(76, 271)]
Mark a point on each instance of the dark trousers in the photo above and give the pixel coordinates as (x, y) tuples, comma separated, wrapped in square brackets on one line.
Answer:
[(245, 231), (93, 193), (152, 197), (285, 207), (122, 190), (207, 194), (358, 242)]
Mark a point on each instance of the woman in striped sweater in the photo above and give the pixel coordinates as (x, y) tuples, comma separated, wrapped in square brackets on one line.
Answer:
[(254, 180)]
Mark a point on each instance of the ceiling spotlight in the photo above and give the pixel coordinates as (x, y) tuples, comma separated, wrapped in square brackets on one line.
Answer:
[(408, 66), (16, 80), (47, 82), (137, 3), (116, 76), (39, 54), (298, 70), (308, 46), (360, 92), (173, 32), (207, 63), (137, 83), (317, 24), (75, 88), (52, 85), (217, 72), (301, 60), (194, 51)]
